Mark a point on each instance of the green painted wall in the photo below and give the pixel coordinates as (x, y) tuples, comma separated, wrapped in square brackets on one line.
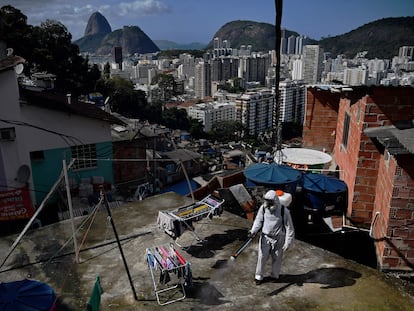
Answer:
[(45, 172)]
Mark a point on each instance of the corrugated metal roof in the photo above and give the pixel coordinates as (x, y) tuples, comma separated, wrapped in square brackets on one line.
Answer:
[(397, 141)]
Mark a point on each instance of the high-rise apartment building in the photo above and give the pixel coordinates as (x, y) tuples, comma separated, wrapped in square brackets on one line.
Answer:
[(312, 63), (117, 54), (292, 101), (224, 68), (255, 111), (210, 113), (202, 87), (406, 51), (256, 68), (355, 76), (291, 44), (297, 69)]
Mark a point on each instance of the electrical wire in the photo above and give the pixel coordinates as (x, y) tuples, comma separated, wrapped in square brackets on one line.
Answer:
[(70, 138)]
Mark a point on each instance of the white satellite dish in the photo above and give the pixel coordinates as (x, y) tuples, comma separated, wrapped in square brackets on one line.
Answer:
[(23, 173), (9, 51), (19, 68)]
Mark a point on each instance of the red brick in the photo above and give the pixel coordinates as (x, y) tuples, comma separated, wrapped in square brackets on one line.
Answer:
[(404, 214), (390, 261), (400, 233)]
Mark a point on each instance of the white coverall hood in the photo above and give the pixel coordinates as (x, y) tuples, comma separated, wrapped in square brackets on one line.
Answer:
[(271, 200)]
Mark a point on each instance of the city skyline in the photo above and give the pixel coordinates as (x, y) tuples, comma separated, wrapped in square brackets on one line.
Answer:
[(163, 19)]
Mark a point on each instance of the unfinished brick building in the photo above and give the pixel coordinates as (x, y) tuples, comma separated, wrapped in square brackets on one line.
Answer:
[(374, 151)]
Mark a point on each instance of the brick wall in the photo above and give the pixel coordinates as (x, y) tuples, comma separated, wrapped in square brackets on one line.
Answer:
[(394, 227), (321, 115), (359, 161), (131, 170)]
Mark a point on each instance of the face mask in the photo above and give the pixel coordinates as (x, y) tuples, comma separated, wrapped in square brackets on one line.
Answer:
[(268, 203)]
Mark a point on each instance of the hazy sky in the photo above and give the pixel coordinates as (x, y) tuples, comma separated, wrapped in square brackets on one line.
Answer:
[(186, 21)]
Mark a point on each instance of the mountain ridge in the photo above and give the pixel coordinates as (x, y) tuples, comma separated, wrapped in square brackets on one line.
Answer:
[(100, 39), (381, 39)]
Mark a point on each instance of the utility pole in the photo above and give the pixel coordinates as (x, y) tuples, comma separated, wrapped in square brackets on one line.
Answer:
[(277, 123)]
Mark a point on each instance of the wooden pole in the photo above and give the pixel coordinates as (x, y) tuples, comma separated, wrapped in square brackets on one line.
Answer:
[(69, 197)]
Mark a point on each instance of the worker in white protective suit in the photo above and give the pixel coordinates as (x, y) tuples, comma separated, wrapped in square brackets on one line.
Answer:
[(277, 234)]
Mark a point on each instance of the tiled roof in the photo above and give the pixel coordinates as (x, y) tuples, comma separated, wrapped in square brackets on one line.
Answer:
[(59, 102)]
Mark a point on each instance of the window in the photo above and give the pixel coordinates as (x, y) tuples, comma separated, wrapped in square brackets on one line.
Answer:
[(85, 156), (37, 155), (7, 134), (345, 133)]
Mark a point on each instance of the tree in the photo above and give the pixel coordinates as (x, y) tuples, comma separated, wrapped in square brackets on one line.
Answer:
[(226, 131), (166, 84), (16, 33), (48, 48), (196, 129), (175, 118), (123, 98)]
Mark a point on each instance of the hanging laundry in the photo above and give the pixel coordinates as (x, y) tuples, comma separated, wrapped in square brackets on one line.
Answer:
[(95, 299)]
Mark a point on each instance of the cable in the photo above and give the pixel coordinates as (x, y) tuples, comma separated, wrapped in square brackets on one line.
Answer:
[(72, 139)]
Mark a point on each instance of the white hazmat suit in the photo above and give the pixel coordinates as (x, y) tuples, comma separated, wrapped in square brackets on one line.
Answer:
[(277, 234)]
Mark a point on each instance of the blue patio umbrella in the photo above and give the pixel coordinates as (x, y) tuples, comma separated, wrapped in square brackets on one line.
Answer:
[(273, 175), (26, 295), (323, 184)]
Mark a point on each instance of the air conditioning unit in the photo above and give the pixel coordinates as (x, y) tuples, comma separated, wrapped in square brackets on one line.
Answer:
[(7, 134)]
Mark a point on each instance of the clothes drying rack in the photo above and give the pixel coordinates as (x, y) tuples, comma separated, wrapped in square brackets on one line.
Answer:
[(207, 207), (172, 270)]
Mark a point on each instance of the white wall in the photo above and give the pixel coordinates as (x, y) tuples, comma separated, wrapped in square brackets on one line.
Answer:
[(16, 153)]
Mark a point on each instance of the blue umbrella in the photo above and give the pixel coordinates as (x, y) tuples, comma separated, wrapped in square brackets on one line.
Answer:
[(26, 295), (272, 174), (323, 184)]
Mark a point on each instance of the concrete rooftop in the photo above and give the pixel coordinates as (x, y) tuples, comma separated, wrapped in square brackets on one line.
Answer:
[(312, 278)]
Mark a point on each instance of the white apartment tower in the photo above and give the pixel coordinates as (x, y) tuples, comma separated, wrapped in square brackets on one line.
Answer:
[(255, 111), (312, 63), (297, 70), (406, 51), (292, 101), (210, 113), (202, 87), (355, 76)]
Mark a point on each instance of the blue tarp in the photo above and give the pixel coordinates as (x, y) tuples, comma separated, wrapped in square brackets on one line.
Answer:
[(26, 295), (272, 174), (323, 183), (326, 194), (180, 188)]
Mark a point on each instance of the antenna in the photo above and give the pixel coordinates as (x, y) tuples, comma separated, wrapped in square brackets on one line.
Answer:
[(9, 52)]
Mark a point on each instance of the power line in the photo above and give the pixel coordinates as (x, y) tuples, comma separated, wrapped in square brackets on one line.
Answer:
[(70, 138)]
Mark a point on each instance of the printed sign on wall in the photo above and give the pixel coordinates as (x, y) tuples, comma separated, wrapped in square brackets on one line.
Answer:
[(15, 204)]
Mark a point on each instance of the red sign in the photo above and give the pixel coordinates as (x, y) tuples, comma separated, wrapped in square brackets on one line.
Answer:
[(15, 204)]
